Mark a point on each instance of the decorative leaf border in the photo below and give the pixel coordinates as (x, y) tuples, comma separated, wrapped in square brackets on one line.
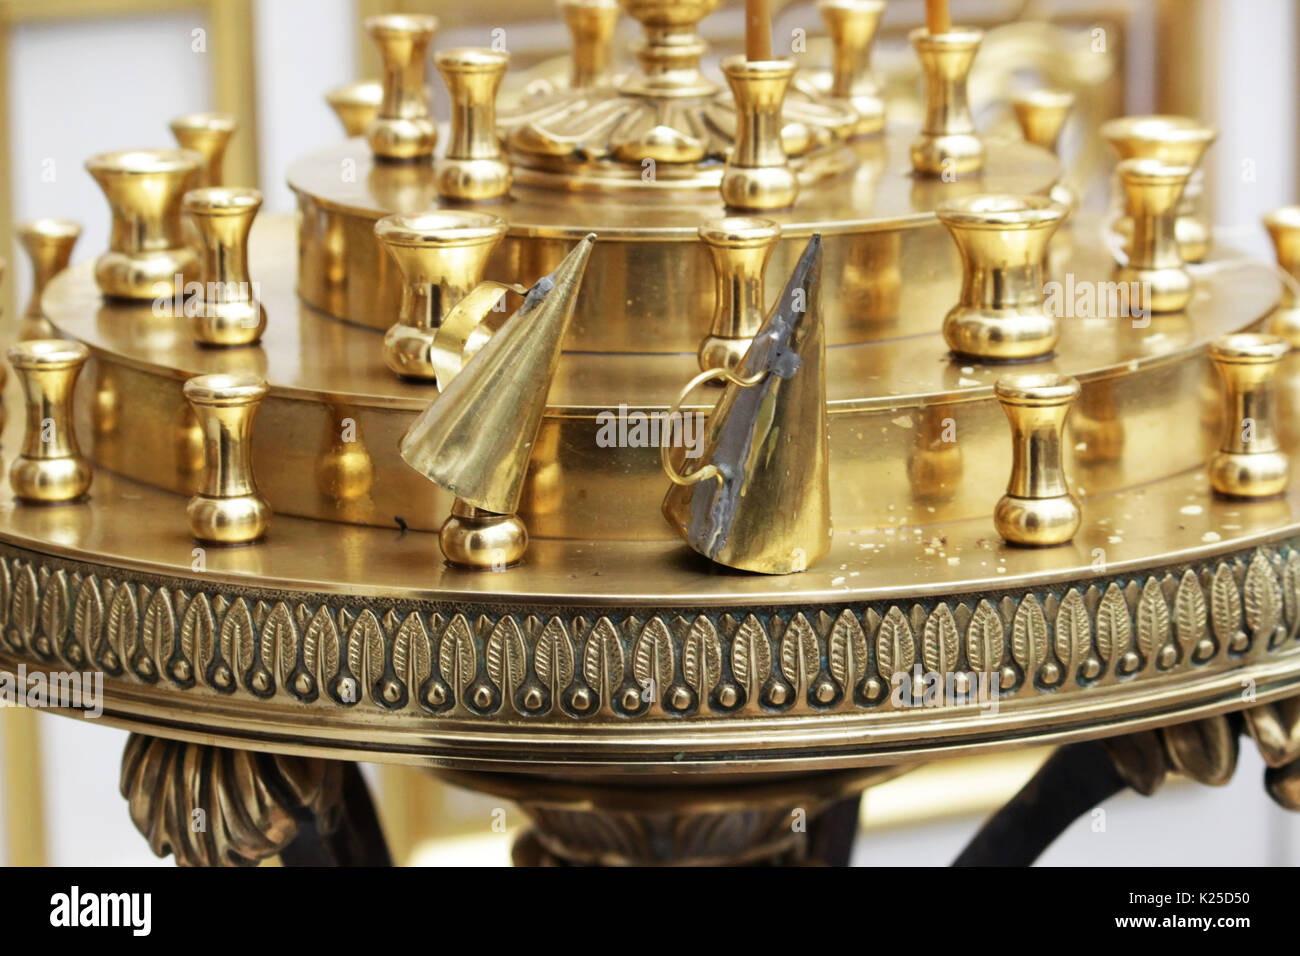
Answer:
[(429, 659)]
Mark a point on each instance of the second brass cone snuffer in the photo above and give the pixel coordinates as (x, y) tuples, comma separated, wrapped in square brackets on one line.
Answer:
[(759, 499), (476, 438)]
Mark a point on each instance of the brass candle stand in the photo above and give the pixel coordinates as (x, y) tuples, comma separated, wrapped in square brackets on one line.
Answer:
[(478, 562)]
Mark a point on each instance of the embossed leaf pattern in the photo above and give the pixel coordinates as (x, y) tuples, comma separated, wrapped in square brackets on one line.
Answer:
[(939, 641), (602, 660), (1225, 605), (652, 656), (505, 657), (456, 654), (1073, 631), (1291, 592), (895, 650), (197, 633), (702, 657), (800, 655), (87, 618), (847, 653), (280, 635), (1029, 637), (553, 659), (53, 613), (985, 638), (751, 656), (1114, 629), (1263, 599), (1152, 620), (1190, 618), (321, 643), (412, 661)]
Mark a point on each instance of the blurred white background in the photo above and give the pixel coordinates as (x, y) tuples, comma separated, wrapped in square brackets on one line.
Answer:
[(89, 84)]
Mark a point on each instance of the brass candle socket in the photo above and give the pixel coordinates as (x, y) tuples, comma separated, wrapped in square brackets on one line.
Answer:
[(474, 166), (1283, 227), (50, 467), (1002, 240), (482, 540), (227, 509), (1037, 509), (740, 248), (356, 105), (228, 312), (1249, 462), (207, 134), (441, 256), (947, 145), (1041, 115), (591, 26), (1159, 280), (48, 243), (146, 249), (403, 128), (758, 174), (852, 27), (1175, 141)]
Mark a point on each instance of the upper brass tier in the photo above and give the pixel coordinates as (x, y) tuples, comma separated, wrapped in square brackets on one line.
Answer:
[(666, 124)]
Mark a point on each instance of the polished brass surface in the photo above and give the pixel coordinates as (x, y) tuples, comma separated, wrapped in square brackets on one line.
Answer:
[(852, 27), (207, 134), (758, 174), (740, 247), (476, 438), (48, 243), (1003, 241), (227, 508), (227, 310), (1283, 226), (1041, 114), (758, 498), (591, 26), (403, 128), (356, 105), (1249, 462), (146, 251), (1038, 508), (664, 126), (1154, 270), (441, 255), (50, 467), (655, 272), (474, 166), (1175, 141), (947, 145)]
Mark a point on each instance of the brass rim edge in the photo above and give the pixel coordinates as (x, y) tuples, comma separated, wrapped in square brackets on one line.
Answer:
[(166, 655)]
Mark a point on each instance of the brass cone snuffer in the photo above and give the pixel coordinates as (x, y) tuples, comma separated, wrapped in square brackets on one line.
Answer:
[(739, 247), (441, 255), (227, 312), (228, 508), (403, 128), (1174, 141), (147, 251), (758, 499), (1160, 282), (207, 134), (476, 438), (947, 145), (50, 467), (758, 174), (1249, 462), (474, 166), (1283, 227), (1038, 508), (49, 244), (852, 26), (1041, 115), (356, 105), (1002, 239)]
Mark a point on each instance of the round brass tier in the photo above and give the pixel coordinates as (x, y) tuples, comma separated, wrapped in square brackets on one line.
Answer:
[(882, 244), (891, 401)]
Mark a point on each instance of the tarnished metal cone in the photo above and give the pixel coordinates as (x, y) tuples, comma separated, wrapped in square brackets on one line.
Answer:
[(475, 439), (758, 497)]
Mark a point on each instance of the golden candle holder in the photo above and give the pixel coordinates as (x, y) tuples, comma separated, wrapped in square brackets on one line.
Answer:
[(758, 175), (403, 128), (1155, 270), (1037, 509), (474, 167), (1041, 115), (739, 248), (228, 508), (947, 145), (207, 134), (50, 467), (356, 105), (227, 311), (1283, 227), (1249, 462), (852, 26), (48, 243)]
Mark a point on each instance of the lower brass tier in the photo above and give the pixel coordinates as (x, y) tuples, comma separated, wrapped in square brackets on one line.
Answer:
[(916, 436)]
